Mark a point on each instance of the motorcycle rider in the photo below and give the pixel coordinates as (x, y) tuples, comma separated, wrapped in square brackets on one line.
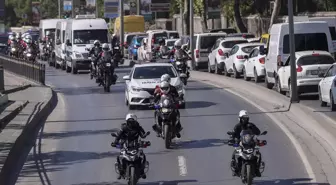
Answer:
[(95, 50), (106, 53), (130, 131), (244, 124), (163, 48), (180, 54), (29, 42), (167, 89)]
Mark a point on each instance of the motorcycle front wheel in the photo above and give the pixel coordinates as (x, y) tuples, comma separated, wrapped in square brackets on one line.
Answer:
[(107, 82), (249, 175), (132, 179), (167, 136)]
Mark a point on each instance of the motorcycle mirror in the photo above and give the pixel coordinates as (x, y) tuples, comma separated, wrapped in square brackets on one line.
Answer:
[(147, 133), (264, 133), (229, 133), (113, 134)]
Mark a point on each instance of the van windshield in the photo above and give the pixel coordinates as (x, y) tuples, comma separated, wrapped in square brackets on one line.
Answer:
[(158, 36), (174, 35), (50, 31), (307, 41), (89, 36), (207, 42)]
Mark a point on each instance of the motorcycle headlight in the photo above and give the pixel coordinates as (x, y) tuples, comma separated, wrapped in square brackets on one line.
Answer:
[(165, 110), (13, 49), (29, 55), (178, 63), (136, 89), (108, 64), (248, 151)]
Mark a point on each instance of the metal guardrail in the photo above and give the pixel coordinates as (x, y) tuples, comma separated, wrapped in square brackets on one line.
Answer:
[(32, 71)]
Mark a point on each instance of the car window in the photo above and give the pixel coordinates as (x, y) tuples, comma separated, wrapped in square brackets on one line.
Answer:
[(332, 33), (170, 43), (334, 71), (230, 44), (234, 50), (173, 35), (254, 53), (158, 36), (248, 49), (129, 39), (207, 41), (152, 72), (330, 72), (139, 39), (307, 41), (315, 60)]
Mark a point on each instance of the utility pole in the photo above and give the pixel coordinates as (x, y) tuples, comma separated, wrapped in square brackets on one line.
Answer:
[(138, 7), (182, 20), (294, 96), (59, 9), (121, 14), (193, 66)]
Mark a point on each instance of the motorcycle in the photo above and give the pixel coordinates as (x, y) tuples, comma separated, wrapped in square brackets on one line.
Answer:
[(48, 52), (29, 54), (182, 69), (14, 49), (247, 152), (117, 56), (166, 110), (133, 159), (105, 67)]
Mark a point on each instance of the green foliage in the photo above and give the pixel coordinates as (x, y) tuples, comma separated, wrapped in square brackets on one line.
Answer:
[(49, 9), (246, 8)]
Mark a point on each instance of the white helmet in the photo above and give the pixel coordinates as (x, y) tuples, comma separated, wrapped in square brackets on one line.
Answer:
[(165, 87), (243, 114), (105, 46), (165, 78), (28, 37), (131, 117), (96, 42), (178, 44), (11, 37), (145, 40)]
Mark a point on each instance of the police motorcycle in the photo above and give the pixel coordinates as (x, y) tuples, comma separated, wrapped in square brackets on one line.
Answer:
[(117, 56), (132, 159), (182, 69), (29, 54), (92, 58), (247, 155), (48, 51), (106, 71), (166, 109), (14, 49)]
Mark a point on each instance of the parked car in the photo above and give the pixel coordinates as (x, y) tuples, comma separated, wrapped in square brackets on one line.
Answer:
[(309, 64), (134, 46), (254, 67), (327, 88), (217, 54), (234, 62), (128, 39)]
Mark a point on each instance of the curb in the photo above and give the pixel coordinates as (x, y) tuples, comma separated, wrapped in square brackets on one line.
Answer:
[(24, 143), (20, 88), (10, 116)]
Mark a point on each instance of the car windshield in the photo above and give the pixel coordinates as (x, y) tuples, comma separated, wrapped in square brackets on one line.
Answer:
[(248, 49), (51, 31), (158, 36), (89, 36), (306, 42), (151, 72), (230, 44), (315, 60), (129, 39), (332, 33), (173, 35), (209, 41)]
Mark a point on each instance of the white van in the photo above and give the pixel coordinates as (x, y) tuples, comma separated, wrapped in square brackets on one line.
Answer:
[(46, 25), (203, 43), (331, 21), (60, 44), (153, 41), (79, 35), (308, 36)]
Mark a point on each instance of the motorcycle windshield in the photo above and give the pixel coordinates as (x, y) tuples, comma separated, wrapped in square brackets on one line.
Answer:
[(247, 138)]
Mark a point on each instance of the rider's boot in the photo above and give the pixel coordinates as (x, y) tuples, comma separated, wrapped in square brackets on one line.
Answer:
[(178, 129), (234, 168)]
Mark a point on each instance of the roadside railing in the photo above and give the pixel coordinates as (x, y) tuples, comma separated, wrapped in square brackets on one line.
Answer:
[(28, 69)]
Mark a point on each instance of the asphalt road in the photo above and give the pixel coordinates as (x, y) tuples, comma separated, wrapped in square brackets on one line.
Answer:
[(76, 141)]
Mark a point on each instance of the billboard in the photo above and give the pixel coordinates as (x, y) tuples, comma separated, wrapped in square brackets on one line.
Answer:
[(146, 9), (111, 9), (36, 13), (84, 7)]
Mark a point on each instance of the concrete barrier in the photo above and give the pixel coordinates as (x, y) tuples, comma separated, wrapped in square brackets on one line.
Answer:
[(23, 144)]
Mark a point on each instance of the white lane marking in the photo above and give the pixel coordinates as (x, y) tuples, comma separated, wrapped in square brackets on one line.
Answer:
[(291, 137), (182, 165)]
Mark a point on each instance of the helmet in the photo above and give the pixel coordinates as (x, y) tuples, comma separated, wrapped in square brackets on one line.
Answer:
[(165, 87), (28, 40), (178, 44), (11, 37), (19, 35), (96, 43), (243, 117), (131, 120), (105, 46), (165, 78)]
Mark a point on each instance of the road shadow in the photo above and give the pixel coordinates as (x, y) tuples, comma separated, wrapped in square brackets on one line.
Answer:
[(61, 135), (309, 97), (198, 104), (175, 182), (299, 181), (203, 143), (89, 90), (201, 88)]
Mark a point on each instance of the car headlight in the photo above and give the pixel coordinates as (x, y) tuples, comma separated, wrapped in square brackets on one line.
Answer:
[(136, 89), (78, 55)]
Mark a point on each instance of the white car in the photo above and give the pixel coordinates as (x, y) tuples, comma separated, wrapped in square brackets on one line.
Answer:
[(254, 67), (142, 80), (309, 64), (327, 87), (234, 61), (217, 55)]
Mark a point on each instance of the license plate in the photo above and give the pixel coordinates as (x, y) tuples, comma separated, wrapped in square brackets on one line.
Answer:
[(116, 47), (315, 72)]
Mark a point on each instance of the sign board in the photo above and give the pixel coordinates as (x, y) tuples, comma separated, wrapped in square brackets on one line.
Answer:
[(133, 7), (160, 7), (111, 9), (84, 7), (67, 5)]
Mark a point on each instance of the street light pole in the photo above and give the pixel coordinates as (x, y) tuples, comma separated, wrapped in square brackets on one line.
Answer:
[(138, 7), (293, 79), (121, 14), (193, 66), (59, 9)]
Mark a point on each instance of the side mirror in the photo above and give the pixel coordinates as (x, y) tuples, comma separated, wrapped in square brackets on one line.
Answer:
[(126, 77), (321, 75), (264, 133), (246, 57), (182, 75), (262, 50), (113, 134)]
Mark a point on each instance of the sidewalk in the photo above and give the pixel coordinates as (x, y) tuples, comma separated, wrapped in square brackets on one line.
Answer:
[(12, 81)]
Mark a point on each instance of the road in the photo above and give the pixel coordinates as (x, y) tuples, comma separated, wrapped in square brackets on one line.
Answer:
[(76, 140)]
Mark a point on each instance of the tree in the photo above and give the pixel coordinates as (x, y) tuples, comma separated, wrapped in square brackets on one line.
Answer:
[(275, 12), (49, 9), (186, 16), (237, 16)]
